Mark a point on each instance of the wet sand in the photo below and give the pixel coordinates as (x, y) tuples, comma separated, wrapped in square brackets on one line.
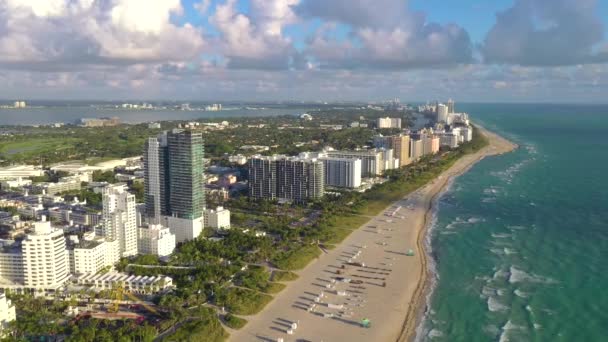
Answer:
[(329, 302)]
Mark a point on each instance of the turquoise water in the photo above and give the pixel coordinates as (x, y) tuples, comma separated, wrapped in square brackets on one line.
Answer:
[(521, 240)]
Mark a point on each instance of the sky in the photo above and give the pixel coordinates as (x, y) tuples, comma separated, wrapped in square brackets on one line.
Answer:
[(305, 50)]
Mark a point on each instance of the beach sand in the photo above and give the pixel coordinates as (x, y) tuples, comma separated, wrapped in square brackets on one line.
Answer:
[(394, 285)]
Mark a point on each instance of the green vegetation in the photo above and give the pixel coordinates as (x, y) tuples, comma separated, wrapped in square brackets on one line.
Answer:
[(242, 301), (234, 322), (284, 276), (104, 176), (93, 199), (274, 288), (98, 330), (205, 326), (297, 258)]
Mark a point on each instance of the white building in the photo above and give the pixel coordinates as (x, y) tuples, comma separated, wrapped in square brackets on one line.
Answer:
[(45, 258), (442, 113), (416, 149), (155, 240), (238, 159), (342, 172), (184, 229), (388, 122), (24, 171), (372, 161), (88, 256), (388, 157), (15, 183), (449, 139), (131, 283), (218, 218), (120, 218), (7, 312)]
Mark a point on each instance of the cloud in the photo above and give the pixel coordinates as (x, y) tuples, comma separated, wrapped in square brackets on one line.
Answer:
[(255, 41), (546, 33), (50, 34), (384, 34)]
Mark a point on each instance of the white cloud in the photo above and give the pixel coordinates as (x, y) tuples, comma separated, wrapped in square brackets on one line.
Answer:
[(389, 36), (546, 33), (255, 41), (59, 33)]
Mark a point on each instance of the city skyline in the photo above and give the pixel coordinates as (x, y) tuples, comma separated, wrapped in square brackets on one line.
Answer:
[(506, 51)]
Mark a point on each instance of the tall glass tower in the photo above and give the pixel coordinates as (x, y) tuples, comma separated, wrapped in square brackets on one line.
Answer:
[(185, 174), (174, 185)]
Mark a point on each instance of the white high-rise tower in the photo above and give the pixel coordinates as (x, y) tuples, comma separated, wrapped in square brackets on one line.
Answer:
[(120, 219)]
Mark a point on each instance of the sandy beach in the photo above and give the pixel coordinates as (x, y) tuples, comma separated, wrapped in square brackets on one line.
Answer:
[(368, 276)]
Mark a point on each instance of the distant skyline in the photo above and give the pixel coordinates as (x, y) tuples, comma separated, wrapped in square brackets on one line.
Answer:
[(329, 50)]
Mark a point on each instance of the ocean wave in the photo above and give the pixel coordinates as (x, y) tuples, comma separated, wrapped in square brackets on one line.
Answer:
[(496, 306), (508, 329), (501, 236), (521, 294), (488, 199), (509, 251), (500, 273), (434, 333), (487, 292), (497, 251), (516, 227), (517, 276)]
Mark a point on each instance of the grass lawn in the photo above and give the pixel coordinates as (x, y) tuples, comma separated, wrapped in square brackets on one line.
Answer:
[(35, 146), (234, 322), (298, 258), (242, 301), (284, 276), (273, 288)]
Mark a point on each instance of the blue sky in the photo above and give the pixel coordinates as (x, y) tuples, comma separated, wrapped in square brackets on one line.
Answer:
[(499, 50)]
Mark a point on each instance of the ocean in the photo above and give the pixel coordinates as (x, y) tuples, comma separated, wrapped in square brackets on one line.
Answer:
[(520, 242)]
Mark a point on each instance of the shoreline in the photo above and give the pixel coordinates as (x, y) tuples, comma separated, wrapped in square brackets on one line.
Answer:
[(412, 325), (395, 307)]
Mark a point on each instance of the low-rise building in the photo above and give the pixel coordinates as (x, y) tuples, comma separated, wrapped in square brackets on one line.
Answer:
[(24, 171), (7, 312), (131, 283), (155, 240), (218, 218)]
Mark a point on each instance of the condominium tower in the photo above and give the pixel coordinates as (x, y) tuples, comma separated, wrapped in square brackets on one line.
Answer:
[(286, 178), (174, 185), (120, 219)]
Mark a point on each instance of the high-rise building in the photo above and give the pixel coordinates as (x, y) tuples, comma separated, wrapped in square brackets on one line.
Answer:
[(186, 185), (430, 144), (450, 106), (342, 172), (442, 113), (416, 148), (400, 144), (299, 179), (372, 161), (263, 177), (286, 178), (120, 218), (174, 185), (45, 258)]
